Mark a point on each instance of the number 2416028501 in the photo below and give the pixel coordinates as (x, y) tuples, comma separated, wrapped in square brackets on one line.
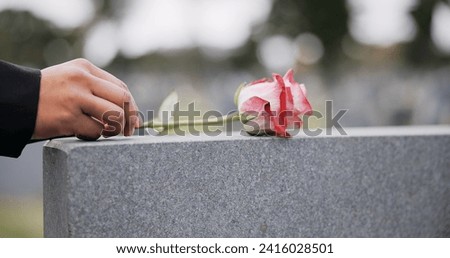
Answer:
[(296, 248)]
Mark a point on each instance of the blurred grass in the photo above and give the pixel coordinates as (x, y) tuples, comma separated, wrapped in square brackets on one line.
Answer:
[(21, 217)]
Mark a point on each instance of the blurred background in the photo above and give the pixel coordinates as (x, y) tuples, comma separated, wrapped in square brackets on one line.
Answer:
[(387, 62)]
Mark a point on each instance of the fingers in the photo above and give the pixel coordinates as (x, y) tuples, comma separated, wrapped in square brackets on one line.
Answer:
[(78, 98), (122, 98), (130, 120), (108, 100), (107, 90), (104, 75), (88, 128), (94, 70), (103, 110), (106, 86)]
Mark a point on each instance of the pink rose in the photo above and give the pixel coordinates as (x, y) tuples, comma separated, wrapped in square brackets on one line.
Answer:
[(277, 104)]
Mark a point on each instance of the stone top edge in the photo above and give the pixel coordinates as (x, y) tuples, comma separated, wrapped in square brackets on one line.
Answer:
[(67, 144)]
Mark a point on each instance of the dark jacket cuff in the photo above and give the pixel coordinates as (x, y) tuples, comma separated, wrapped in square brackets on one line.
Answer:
[(19, 99)]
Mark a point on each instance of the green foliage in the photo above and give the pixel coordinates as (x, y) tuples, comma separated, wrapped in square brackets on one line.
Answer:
[(21, 217)]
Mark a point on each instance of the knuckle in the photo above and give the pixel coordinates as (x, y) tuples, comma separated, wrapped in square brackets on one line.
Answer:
[(123, 85), (83, 62), (73, 96), (68, 123), (70, 96), (76, 74)]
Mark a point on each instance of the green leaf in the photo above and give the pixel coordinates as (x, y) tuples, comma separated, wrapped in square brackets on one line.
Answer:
[(168, 105)]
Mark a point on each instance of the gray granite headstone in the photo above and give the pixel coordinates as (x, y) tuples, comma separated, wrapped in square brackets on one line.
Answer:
[(375, 182)]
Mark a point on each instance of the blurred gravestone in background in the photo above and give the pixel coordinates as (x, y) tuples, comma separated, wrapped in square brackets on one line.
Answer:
[(387, 62)]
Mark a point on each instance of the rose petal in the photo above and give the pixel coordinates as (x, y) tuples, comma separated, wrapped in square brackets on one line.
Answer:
[(280, 130), (281, 113), (278, 103), (289, 76), (253, 104), (289, 80), (259, 81), (301, 103), (267, 90)]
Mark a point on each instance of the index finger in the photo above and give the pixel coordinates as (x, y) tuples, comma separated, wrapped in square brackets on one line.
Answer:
[(100, 73)]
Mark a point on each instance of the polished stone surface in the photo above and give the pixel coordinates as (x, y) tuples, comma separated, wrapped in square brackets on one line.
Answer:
[(374, 182)]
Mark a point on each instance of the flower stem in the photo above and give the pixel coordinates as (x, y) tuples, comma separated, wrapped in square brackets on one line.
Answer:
[(213, 121)]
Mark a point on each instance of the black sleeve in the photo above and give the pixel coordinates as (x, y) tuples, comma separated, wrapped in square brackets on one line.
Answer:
[(19, 98)]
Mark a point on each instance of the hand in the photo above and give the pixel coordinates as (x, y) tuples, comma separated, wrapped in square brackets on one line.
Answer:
[(74, 98)]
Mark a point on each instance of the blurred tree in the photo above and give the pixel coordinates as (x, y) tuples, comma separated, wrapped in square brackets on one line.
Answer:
[(326, 19), (421, 50), (31, 41), (23, 37), (28, 40)]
